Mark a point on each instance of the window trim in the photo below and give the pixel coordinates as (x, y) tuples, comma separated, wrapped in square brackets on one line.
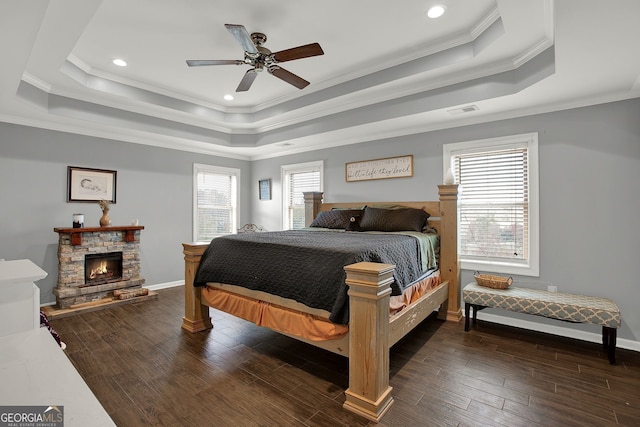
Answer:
[(297, 167), (200, 167), (530, 140)]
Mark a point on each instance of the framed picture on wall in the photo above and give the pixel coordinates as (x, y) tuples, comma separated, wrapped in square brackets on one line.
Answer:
[(91, 185), (264, 189)]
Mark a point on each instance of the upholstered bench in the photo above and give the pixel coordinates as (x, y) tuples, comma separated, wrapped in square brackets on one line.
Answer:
[(561, 306)]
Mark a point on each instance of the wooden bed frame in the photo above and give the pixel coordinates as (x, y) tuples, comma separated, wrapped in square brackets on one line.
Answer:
[(371, 331)]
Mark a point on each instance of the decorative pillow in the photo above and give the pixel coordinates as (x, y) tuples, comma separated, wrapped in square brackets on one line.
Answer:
[(403, 219), (335, 218), (354, 223)]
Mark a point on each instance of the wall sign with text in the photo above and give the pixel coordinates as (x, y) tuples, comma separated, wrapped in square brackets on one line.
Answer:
[(390, 167)]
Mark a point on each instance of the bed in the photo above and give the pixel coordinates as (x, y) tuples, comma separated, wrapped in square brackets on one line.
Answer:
[(371, 330)]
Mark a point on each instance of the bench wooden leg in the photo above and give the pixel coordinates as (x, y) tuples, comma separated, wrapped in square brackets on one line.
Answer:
[(466, 316), (475, 308), (609, 336)]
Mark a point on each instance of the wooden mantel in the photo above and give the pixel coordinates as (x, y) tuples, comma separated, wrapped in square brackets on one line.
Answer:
[(76, 233)]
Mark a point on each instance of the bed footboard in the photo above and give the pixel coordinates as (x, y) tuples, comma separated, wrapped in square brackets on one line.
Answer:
[(196, 314), (369, 393)]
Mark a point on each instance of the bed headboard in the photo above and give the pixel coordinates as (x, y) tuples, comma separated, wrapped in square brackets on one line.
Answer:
[(443, 216)]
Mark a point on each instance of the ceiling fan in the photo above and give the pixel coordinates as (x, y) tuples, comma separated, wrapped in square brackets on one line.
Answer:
[(261, 58)]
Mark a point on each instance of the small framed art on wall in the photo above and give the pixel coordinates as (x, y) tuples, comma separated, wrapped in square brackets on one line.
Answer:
[(264, 189), (91, 185)]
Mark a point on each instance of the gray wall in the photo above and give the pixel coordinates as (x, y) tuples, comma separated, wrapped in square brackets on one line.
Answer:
[(589, 195), (154, 185)]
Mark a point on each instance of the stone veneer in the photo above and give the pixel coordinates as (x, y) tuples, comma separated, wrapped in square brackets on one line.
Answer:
[(74, 244)]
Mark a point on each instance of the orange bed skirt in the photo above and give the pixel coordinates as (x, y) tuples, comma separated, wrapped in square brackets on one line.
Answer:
[(295, 322)]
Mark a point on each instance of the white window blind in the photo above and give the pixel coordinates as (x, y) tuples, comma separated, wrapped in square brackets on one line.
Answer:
[(494, 206), (498, 228), (298, 179), (215, 202)]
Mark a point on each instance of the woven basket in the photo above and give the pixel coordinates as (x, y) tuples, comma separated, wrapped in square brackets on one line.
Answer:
[(491, 281)]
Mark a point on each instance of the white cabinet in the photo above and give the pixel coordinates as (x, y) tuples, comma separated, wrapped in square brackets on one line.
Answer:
[(19, 296), (33, 368), (35, 371)]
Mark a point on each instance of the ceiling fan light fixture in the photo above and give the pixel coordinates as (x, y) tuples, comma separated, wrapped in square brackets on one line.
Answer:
[(436, 11), (261, 58), (120, 62)]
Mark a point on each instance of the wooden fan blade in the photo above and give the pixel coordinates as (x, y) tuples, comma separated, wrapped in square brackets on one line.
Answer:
[(242, 35), (201, 62), (289, 77), (305, 51), (247, 80)]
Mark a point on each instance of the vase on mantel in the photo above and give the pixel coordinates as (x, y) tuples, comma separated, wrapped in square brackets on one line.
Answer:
[(105, 221)]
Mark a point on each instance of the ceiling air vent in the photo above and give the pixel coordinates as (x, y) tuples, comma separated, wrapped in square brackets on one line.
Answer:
[(462, 110)]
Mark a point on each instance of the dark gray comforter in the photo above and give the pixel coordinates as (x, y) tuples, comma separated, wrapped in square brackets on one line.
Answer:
[(307, 266)]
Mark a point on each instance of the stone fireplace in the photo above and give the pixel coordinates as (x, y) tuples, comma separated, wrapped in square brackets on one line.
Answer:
[(93, 262)]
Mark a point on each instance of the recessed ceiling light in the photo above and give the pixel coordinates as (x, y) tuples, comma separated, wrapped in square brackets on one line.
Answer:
[(228, 97), (120, 62), (436, 11)]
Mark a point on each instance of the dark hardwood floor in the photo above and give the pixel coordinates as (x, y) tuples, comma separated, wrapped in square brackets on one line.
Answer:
[(146, 371)]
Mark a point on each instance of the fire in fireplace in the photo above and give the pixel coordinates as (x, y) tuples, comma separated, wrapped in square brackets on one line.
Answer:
[(102, 268)]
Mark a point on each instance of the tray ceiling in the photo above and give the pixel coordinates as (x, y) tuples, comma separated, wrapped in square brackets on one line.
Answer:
[(386, 70)]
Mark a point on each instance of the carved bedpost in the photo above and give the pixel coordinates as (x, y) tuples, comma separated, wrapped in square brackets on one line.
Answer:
[(369, 393), (312, 202), (196, 316), (449, 248)]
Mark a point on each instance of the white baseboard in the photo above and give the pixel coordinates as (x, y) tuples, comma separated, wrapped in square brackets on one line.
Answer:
[(165, 285), (556, 330)]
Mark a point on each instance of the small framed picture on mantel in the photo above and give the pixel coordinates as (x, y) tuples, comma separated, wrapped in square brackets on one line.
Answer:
[(91, 185), (264, 189)]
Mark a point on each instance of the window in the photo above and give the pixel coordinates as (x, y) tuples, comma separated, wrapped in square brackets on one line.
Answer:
[(498, 228), (297, 179), (215, 201)]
